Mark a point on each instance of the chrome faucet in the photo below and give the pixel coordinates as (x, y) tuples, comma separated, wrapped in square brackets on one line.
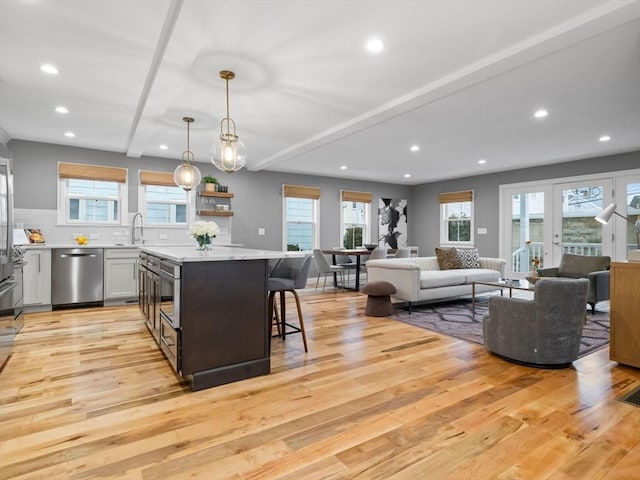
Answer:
[(134, 237)]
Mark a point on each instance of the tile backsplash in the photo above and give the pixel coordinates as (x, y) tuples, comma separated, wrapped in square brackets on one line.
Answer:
[(46, 221)]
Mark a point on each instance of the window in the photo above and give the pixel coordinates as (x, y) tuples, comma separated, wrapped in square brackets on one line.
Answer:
[(89, 194), (456, 213), (355, 216), (161, 202), (300, 218)]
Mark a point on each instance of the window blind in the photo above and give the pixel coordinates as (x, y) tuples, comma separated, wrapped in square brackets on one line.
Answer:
[(351, 196), (148, 177), (298, 191), (455, 197), (92, 172)]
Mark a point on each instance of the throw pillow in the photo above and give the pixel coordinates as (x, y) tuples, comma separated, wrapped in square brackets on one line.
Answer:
[(447, 258), (469, 257)]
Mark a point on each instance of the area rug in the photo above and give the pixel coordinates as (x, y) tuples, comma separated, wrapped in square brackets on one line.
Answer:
[(454, 318)]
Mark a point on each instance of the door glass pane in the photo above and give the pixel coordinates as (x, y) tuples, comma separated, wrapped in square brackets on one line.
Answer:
[(633, 214), (581, 233), (527, 230)]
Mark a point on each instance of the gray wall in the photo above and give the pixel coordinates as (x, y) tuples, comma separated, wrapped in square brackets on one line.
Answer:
[(258, 201), (257, 198), (426, 209), (4, 151)]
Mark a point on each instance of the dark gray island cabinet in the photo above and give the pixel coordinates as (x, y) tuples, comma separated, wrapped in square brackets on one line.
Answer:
[(208, 313)]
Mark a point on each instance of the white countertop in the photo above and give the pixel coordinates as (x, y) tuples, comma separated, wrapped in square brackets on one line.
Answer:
[(217, 253)]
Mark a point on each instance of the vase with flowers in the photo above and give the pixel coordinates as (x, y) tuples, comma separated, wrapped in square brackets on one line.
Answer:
[(535, 264), (203, 232)]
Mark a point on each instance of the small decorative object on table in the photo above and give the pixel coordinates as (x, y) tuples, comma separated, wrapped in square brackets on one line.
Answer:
[(370, 246), (533, 276), (203, 232)]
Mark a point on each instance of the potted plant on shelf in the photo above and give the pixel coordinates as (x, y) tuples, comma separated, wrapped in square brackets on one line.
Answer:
[(210, 183)]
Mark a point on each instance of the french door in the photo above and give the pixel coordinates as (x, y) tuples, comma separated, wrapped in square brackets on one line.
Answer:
[(545, 220), (527, 233), (575, 229)]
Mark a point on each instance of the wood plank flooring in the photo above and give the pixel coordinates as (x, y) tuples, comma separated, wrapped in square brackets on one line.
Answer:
[(87, 394)]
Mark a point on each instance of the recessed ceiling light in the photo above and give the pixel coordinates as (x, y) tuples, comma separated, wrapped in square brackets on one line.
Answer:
[(62, 109), (48, 68), (375, 45), (415, 148), (407, 175), (69, 134), (541, 113), (163, 147), (343, 167), (604, 138), (482, 161)]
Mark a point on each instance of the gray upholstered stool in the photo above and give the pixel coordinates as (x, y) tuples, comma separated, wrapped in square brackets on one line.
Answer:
[(378, 301)]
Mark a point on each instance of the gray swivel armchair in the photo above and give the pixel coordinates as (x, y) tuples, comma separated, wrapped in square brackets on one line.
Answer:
[(595, 268), (544, 332)]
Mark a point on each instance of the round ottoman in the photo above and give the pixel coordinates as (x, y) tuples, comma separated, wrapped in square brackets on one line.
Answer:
[(378, 301)]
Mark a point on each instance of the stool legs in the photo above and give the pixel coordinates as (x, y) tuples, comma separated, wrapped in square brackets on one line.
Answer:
[(281, 322)]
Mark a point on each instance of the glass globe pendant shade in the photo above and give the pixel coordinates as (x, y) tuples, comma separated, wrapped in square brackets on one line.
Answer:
[(187, 176), (228, 153)]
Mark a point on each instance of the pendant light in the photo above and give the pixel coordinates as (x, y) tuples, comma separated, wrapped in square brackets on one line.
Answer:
[(187, 176), (228, 153)]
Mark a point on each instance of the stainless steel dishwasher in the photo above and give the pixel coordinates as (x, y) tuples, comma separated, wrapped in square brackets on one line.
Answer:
[(76, 276)]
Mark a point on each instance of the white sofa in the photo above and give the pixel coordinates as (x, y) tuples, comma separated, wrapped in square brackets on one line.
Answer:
[(420, 279)]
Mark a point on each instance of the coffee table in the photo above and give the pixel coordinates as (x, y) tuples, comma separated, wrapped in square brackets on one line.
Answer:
[(502, 285)]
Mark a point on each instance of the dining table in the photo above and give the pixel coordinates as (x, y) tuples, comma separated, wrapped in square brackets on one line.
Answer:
[(356, 252)]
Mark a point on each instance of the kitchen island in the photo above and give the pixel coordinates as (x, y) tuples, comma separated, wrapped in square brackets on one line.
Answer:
[(207, 311)]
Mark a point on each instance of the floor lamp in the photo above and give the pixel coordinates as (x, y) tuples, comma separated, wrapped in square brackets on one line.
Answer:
[(605, 215)]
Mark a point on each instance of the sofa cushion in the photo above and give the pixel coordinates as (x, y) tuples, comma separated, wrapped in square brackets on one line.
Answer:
[(480, 275), (578, 266), (447, 258), (442, 278), (469, 257)]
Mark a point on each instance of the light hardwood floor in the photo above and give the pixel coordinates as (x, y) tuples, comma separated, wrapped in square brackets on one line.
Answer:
[(86, 394)]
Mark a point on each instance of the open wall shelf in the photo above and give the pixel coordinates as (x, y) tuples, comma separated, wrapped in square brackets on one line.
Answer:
[(216, 194), (215, 213)]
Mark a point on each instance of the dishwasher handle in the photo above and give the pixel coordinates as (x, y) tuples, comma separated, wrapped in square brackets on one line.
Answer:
[(67, 255), (10, 285)]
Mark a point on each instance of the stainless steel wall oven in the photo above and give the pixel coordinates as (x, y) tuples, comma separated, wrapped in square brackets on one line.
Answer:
[(170, 296)]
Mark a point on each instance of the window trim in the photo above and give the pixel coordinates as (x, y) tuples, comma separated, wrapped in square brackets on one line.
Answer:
[(447, 198), (309, 193), (81, 171), (163, 179), (345, 196)]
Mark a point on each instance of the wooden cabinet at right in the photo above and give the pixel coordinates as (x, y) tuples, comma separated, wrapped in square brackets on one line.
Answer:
[(625, 313)]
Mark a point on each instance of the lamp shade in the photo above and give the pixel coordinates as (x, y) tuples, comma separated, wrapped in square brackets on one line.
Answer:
[(228, 153), (605, 215), (187, 176)]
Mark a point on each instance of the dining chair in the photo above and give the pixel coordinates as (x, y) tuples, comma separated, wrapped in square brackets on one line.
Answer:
[(377, 253), (325, 268), (288, 276), (402, 253), (345, 261)]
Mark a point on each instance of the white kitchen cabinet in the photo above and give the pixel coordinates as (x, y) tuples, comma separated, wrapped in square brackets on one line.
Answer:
[(120, 273), (36, 277)]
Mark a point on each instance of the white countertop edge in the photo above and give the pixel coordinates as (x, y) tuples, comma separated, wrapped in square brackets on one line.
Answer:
[(218, 253)]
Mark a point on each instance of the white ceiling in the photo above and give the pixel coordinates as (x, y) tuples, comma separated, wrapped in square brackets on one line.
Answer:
[(459, 78)]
